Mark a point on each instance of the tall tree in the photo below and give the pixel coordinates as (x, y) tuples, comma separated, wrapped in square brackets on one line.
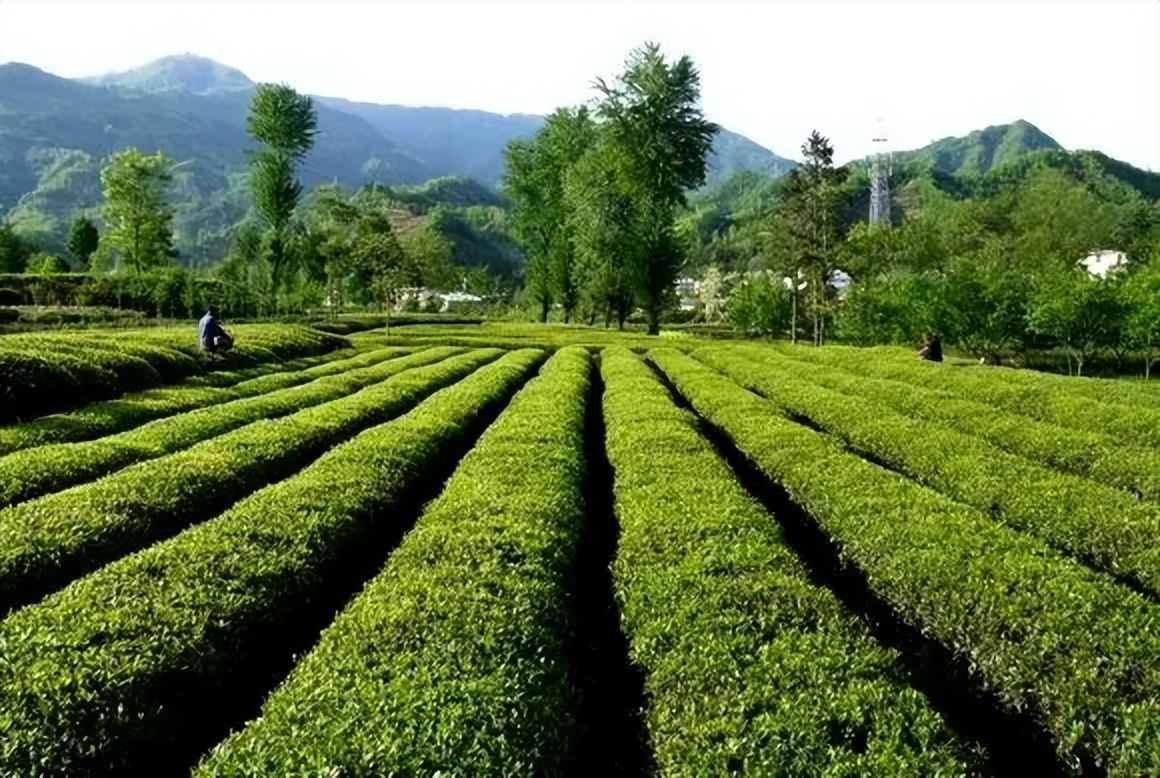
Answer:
[(83, 240), (1077, 310), (651, 116), (14, 251), (381, 265), (534, 175), (136, 208), (813, 199), (285, 123), (1140, 293), (603, 221)]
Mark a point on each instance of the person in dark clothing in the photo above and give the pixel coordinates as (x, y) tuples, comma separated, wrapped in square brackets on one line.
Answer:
[(210, 335), (931, 349)]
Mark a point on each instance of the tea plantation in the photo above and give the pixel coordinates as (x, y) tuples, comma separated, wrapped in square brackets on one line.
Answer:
[(497, 550)]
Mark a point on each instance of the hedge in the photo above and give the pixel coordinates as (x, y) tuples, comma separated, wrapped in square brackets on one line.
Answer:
[(750, 668), (118, 670), (1098, 525), (1048, 637), (452, 660), (1139, 425), (45, 372), (34, 472), (1097, 456), (45, 543), (112, 416)]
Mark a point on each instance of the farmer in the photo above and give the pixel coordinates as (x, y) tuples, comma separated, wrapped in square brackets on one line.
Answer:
[(211, 336), (931, 349)]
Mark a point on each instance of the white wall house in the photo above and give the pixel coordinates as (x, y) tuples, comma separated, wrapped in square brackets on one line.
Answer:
[(1099, 263)]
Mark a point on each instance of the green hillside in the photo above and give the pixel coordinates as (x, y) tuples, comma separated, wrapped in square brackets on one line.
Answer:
[(179, 73), (978, 151), (55, 132)]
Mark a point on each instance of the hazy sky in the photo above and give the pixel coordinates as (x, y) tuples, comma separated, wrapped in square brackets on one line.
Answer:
[(1085, 72)]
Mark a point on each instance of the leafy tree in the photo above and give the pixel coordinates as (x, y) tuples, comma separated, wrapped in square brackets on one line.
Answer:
[(711, 295), (813, 199), (433, 254), (652, 120), (535, 170), (1140, 298), (1077, 311), (331, 224), (14, 251), (381, 268), (47, 264), (984, 305), (244, 283), (603, 221), (83, 240), (760, 304), (285, 123), (136, 209), (893, 307)]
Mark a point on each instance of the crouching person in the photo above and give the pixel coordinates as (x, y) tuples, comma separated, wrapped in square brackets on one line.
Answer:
[(210, 335)]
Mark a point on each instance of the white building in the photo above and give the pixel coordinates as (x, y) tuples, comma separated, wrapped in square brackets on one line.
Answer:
[(1098, 263)]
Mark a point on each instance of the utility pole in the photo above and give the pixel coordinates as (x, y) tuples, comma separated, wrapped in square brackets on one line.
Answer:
[(880, 165)]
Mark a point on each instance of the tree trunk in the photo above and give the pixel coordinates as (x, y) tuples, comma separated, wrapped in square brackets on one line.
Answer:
[(608, 316), (793, 318), (545, 306), (654, 321)]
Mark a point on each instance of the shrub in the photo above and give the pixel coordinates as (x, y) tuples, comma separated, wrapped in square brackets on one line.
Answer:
[(47, 542), (35, 472), (718, 611), (1043, 634), (122, 669), (451, 659)]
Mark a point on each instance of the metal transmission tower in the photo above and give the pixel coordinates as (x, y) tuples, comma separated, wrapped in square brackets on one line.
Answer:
[(880, 181)]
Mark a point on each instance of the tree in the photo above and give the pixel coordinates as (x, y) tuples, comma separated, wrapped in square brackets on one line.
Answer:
[(14, 251), (136, 209), (534, 175), (603, 222), (711, 295), (813, 198), (1140, 295), (1076, 310), (433, 255), (47, 264), (331, 224), (381, 266), (285, 123), (83, 240), (651, 117), (983, 306), (759, 304)]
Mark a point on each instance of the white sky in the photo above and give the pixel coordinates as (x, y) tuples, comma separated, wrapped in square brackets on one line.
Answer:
[(1087, 72)]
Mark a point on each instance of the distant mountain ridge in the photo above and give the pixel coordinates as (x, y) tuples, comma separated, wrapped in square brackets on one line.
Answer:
[(978, 151), (56, 131), (178, 73)]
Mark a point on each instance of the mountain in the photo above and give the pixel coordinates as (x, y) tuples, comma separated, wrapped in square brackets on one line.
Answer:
[(179, 73), (55, 132), (451, 142), (471, 143), (979, 151)]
